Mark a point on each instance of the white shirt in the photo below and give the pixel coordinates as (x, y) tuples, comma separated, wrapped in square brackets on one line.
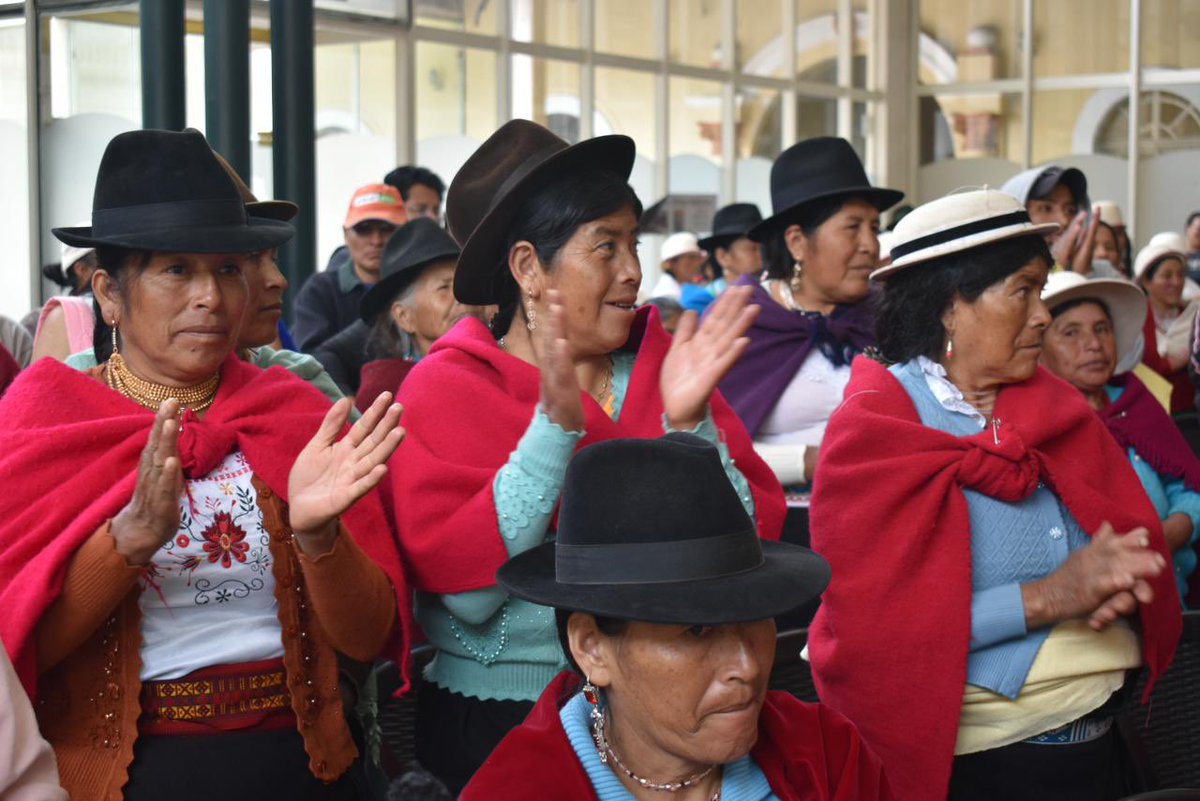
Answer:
[(208, 596), (803, 410), (946, 393), (667, 287)]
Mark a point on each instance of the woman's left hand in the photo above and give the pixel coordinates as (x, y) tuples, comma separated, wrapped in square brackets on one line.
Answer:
[(701, 354), (330, 474)]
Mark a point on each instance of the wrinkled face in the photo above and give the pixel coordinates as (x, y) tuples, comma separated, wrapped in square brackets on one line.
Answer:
[(840, 256), (431, 309), (423, 202), (742, 257), (1107, 247), (1081, 348), (179, 316), (691, 692), (266, 285), (1166, 287), (598, 273), (1057, 207), (688, 268), (365, 240), (998, 337), (1193, 234)]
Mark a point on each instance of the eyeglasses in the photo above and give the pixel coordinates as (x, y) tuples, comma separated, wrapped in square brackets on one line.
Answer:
[(368, 227)]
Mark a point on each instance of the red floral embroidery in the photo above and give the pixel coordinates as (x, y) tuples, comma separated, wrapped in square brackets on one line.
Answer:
[(225, 540)]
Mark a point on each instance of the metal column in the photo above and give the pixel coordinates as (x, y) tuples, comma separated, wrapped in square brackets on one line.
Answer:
[(227, 80), (294, 138), (163, 93)]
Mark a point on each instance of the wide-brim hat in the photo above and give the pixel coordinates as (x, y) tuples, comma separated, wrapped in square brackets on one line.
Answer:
[(283, 210), (816, 169), (1154, 254), (731, 223), (414, 246), (1125, 301), (652, 530), (488, 191), (957, 222), (166, 191)]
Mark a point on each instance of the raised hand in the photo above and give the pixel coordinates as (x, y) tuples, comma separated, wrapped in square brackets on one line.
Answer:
[(152, 515), (330, 474), (702, 353), (560, 398), (1076, 246)]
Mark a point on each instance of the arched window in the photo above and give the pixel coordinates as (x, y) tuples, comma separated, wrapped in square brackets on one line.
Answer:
[(1167, 122)]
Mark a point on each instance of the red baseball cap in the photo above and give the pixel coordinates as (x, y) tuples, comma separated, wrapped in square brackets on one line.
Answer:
[(376, 202)]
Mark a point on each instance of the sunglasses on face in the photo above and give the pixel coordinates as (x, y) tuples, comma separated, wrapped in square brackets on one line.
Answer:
[(368, 227)]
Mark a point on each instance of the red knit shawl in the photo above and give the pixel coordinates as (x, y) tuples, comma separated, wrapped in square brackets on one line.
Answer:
[(467, 404), (889, 643), (8, 369), (807, 752), (69, 449)]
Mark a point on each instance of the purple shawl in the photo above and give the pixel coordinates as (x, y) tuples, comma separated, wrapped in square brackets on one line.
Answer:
[(780, 341), (1137, 420)]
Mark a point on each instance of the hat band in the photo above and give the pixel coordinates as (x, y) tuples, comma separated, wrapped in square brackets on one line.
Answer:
[(658, 562), (959, 232), (171, 214)]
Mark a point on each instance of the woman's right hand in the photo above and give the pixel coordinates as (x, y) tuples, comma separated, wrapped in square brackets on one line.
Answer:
[(1102, 581), (560, 398), (152, 515)]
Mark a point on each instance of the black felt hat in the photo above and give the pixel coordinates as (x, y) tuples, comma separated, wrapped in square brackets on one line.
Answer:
[(500, 175), (652, 530), (166, 190), (815, 169), (731, 223), (415, 245)]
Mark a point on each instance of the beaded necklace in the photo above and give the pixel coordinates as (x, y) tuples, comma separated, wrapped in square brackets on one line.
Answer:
[(151, 394)]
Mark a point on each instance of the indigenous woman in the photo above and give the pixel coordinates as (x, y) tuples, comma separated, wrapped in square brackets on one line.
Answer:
[(817, 312), (187, 547), (988, 539), (549, 234), (1096, 326), (1160, 270), (664, 605)]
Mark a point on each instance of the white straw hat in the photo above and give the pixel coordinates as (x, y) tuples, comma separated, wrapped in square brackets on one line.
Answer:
[(1155, 252), (1125, 301), (1110, 213), (679, 244), (958, 222)]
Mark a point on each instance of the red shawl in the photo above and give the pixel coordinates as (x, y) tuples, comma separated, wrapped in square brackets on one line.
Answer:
[(889, 643), (808, 752), (8, 369), (467, 404), (69, 448), (1182, 392)]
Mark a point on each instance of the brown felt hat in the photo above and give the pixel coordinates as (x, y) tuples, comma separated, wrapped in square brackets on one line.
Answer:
[(486, 194)]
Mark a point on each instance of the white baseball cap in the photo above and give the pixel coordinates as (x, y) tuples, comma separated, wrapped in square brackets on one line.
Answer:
[(680, 244)]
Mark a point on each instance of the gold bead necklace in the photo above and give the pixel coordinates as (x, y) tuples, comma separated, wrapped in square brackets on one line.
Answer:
[(151, 394)]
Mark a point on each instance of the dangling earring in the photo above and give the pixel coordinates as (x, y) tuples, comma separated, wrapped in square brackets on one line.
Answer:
[(797, 271), (949, 348), (591, 694), (115, 356), (530, 314)]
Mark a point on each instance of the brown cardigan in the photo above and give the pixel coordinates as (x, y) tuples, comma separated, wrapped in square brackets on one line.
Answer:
[(89, 644)]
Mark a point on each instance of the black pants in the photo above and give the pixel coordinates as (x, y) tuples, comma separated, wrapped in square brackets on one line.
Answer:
[(1097, 771), (456, 733), (229, 767)]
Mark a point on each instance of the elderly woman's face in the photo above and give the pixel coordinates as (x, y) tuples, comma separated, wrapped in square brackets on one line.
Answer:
[(266, 285), (431, 309), (1080, 348), (689, 694), (838, 259), (598, 274), (1166, 287), (179, 316), (997, 338)]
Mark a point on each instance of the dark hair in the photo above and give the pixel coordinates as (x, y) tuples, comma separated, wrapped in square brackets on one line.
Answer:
[(909, 323), (53, 272), (550, 217), (1191, 217), (809, 217), (1077, 302), (609, 627), (404, 177), (115, 261)]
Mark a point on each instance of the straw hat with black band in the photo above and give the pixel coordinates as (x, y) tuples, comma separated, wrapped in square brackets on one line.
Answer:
[(490, 188), (1125, 302), (957, 222), (416, 245)]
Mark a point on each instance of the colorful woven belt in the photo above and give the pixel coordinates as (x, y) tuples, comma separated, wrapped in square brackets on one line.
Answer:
[(222, 698)]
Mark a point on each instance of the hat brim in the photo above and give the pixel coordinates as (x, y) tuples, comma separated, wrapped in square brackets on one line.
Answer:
[(282, 210), (789, 577), (961, 244), (475, 280), (1126, 303), (379, 296), (258, 234), (711, 243), (880, 198)]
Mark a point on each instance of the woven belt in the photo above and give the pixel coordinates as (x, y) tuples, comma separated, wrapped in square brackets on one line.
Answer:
[(250, 695)]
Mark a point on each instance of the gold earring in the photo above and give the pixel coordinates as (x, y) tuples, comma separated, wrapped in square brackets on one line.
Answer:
[(797, 271), (115, 352), (530, 314)]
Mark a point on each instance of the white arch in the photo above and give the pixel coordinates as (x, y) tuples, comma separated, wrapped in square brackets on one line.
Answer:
[(1103, 101)]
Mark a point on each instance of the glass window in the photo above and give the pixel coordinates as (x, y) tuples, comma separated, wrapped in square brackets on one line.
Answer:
[(970, 41), (971, 127), (1060, 123), (552, 22), (547, 92), (456, 95), (761, 43), (626, 28), (625, 105), (816, 40), (1170, 33), (1061, 27), (695, 28), (760, 139), (472, 16), (15, 279)]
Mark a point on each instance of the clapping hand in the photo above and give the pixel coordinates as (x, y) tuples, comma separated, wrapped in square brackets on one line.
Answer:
[(1077, 244), (560, 397), (152, 515)]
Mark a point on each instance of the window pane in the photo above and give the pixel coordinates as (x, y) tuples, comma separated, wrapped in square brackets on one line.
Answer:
[(971, 127), (1061, 127), (695, 27), (970, 41), (761, 43), (1061, 27), (625, 105), (547, 92), (552, 22), (760, 139), (456, 95), (1170, 33), (14, 176), (816, 40), (626, 29), (473, 16)]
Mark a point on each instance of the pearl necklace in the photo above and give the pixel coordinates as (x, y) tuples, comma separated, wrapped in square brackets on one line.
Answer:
[(151, 394), (606, 753)]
